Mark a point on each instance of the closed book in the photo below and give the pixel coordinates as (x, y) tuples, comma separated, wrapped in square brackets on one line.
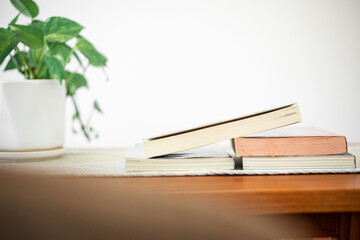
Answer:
[(217, 132), (338, 161), (291, 141), (211, 157)]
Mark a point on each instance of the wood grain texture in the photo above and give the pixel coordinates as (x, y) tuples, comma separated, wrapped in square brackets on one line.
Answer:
[(262, 194), (355, 226), (344, 226), (300, 226)]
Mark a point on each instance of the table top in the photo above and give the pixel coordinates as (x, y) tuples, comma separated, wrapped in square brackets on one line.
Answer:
[(262, 194), (309, 193)]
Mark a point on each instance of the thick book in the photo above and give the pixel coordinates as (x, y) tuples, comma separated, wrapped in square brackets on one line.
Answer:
[(201, 136), (211, 157), (339, 161), (291, 141)]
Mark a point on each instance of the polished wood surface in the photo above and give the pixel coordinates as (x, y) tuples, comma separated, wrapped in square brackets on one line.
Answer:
[(321, 205), (263, 194)]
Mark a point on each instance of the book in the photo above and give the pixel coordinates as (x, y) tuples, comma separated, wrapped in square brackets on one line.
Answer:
[(339, 161), (217, 132), (211, 157), (221, 156), (291, 141)]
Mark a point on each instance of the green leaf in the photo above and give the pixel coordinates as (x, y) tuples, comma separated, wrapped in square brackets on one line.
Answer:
[(55, 67), (39, 53), (43, 72), (75, 116), (26, 7), (88, 50), (15, 19), (41, 69), (58, 29), (37, 23), (30, 57), (11, 65), (5, 38), (6, 51), (74, 81), (61, 51), (29, 35), (79, 60), (14, 62), (96, 107)]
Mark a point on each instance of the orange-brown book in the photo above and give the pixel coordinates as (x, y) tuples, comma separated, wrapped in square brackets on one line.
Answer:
[(290, 141)]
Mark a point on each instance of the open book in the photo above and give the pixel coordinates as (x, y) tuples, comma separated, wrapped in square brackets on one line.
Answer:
[(217, 132)]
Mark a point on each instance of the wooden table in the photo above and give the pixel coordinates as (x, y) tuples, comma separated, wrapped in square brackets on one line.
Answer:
[(328, 204)]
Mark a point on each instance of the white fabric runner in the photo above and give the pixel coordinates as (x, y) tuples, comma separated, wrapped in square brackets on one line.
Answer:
[(111, 164)]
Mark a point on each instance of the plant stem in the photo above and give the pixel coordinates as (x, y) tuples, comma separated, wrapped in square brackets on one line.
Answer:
[(40, 64), (106, 74), (90, 117), (83, 127), (16, 63), (25, 62)]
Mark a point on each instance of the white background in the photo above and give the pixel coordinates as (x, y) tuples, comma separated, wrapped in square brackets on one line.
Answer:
[(179, 64)]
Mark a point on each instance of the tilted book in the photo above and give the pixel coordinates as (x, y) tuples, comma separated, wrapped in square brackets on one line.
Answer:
[(217, 132)]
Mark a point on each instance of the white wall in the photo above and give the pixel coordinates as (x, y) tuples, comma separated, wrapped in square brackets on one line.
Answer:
[(179, 64)]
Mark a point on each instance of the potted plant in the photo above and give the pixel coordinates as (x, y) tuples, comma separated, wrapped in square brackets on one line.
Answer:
[(32, 109)]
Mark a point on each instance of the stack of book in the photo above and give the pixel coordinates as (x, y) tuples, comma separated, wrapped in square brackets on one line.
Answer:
[(260, 141)]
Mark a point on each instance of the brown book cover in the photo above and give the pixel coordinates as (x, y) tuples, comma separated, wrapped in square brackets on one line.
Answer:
[(291, 141)]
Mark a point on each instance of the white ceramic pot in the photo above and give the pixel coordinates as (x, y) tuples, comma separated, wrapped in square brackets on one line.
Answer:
[(32, 115)]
